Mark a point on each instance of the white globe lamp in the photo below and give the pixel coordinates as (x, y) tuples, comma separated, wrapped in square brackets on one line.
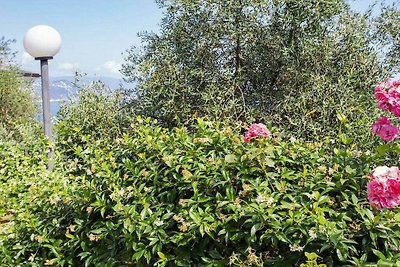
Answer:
[(42, 41)]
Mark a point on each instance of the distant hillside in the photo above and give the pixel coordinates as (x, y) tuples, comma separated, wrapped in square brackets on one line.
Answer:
[(63, 88)]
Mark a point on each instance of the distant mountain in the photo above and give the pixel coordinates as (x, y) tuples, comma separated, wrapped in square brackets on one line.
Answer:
[(63, 88)]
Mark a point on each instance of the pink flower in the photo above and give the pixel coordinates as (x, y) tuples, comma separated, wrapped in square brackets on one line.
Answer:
[(384, 173), (383, 100), (388, 96), (381, 198), (256, 130), (380, 92), (384, 188), (385, 129), (395, 110), (375, 190), (396, 83)]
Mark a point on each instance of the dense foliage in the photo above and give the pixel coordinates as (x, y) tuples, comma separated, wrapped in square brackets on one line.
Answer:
[(22, 165), (96, 113), (16, 99), (387, 33), (195, 196), (298, 64), (131, 190)]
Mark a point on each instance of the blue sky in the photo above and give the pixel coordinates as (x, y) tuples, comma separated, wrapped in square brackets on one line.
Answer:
[(95, 33)]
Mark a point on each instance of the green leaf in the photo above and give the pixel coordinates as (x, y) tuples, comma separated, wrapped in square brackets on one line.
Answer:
[(354, 199), (369, 214), (194, 216), (269, 162), (379, 254), (383, 149), (161, 255), (137, 255), (342, 118), (350, 170), (374, 237), (69, 235), (186, 174), (230, 194), (345, 140), (230, 158), (311, 256), (254, 229), (340, 255)]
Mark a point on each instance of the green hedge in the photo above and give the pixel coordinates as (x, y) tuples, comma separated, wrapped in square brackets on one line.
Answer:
[(200, 196), (22, 164)]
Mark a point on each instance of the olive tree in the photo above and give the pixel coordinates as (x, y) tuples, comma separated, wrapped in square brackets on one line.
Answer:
[(16, 99), (305, 65)]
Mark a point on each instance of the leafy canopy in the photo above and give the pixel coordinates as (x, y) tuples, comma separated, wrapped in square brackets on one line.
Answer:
[(298, 64), (16, 99)]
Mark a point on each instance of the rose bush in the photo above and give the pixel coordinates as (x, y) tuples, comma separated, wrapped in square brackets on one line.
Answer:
[(388, 97), (384, 187)]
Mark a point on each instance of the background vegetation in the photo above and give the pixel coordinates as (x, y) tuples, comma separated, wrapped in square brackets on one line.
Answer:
[(296, 64), (17, 108)]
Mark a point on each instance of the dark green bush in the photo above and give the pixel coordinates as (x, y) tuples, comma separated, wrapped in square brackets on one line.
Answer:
[(201, 197)]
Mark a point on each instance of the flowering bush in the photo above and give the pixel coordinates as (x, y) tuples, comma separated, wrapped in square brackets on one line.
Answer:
[(256, 130), (385, 129), (388, 96), (384, 189)]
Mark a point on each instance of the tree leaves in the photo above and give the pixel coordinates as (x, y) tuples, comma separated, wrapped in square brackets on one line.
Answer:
[(296, 64)]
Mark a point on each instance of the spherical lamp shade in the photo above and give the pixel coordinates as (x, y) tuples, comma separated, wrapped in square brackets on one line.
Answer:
[(42, 41)]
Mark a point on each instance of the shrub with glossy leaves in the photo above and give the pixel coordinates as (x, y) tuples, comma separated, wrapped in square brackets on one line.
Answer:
[(202, 197), (21, 164)]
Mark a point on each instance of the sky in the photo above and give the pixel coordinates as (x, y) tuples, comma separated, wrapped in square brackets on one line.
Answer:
[(95, 33)]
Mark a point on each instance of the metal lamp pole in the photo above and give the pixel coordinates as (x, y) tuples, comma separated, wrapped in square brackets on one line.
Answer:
[(43, 42), (44, 71), (47, 127)]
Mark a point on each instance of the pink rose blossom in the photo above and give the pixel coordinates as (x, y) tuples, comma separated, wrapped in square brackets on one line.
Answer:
[(395, 110), (256, 130), (385, 129), (375, 190), (388, 96), (384, 188), (383, 100), (384, 172), (382, 97), (396, 83)]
